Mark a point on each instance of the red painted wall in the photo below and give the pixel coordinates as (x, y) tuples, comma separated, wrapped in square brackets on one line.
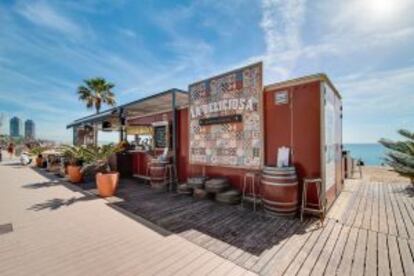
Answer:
[(295, 125), (182, 145)]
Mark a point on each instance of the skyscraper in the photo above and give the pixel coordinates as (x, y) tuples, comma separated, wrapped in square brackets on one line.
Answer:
[(29, 129), (15, 127)]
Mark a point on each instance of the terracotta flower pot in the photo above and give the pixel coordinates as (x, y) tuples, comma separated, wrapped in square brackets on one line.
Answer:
[(107, 183), (74, 173), (39, 162)]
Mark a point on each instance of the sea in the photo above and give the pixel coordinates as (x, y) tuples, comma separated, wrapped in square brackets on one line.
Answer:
[(370, 154)]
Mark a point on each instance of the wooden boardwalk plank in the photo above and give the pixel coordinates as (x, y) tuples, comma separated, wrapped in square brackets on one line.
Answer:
[(267, 255), (223, 269), (312, 258), (352, 209), (300, 258), (371, 258), (337, 252), (366, 221), (406, 257), (323, 260), (398, 192), (395, 258), (278, 264), (360, 250), (375, 207), (348, 254), (391, 222), (176, 266), (402, 232), (383, 258), (361, 208), (383, 220), (408, 203)]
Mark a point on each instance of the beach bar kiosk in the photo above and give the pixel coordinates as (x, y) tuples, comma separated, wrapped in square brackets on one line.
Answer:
[(233, 126)]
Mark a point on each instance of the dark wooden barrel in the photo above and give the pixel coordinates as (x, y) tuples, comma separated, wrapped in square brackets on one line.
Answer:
[(279, 189), (157, 174)]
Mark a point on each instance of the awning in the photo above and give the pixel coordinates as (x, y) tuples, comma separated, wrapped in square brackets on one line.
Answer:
[(160, 102)]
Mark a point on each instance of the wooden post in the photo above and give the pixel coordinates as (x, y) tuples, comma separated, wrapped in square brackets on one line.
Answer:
[(75, 135), (174, 134), (121, 123), (95, 134)]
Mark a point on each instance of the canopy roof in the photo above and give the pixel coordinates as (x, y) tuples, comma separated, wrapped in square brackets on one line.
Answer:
[(162, 101)]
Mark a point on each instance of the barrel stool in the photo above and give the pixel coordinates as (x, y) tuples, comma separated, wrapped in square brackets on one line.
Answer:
[(279, 191), (251, 186), (304, 207), (158, 174)]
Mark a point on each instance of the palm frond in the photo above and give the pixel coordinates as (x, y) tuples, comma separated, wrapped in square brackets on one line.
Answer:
[(95, 92), (400, 155)]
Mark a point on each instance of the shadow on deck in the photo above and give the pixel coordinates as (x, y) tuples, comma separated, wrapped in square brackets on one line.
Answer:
[(227, 230), (207, 223)]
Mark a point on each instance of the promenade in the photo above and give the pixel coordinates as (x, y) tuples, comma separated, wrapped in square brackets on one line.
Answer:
[(58, 230)]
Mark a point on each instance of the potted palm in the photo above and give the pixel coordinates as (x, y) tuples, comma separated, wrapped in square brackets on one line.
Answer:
[(75, 158), (106, 179)]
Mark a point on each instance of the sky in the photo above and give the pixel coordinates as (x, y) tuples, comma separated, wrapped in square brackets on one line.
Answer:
[(47, 48)]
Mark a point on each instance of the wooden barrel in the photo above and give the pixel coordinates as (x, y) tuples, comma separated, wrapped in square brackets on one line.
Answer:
[(279, 189), (157, 174)]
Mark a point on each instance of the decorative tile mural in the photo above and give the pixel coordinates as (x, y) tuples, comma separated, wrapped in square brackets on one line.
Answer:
[(227, 143)]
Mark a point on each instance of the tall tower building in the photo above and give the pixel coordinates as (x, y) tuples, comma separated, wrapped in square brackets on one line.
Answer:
[(15, 127), (29, 129)]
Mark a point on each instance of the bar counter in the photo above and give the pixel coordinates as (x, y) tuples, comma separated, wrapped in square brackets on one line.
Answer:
[(140, 160)]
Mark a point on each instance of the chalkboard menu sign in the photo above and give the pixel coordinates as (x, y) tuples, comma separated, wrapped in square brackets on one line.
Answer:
[(160, 136)]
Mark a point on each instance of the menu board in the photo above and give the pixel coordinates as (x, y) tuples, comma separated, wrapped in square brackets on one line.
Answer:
[(225, 119), (160, 136)]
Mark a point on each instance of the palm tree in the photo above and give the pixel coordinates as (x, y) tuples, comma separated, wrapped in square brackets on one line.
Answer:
[(95, 92), (401, 154)]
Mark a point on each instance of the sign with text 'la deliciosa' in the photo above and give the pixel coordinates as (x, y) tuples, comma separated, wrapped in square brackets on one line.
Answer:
[(225, 119), (237, 118)]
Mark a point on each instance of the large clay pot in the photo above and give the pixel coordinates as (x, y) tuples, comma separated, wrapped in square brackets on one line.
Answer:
[(39, 162), (107, 183), (74, 173)]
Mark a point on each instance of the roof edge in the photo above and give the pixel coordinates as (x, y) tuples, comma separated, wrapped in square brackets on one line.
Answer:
[(112, 110), (302, 80)]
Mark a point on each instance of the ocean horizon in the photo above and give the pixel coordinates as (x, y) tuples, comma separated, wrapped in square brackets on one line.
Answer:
[(370, 153)]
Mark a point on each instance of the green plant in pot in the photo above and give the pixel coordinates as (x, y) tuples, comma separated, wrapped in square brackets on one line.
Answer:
[(74, 157), (37, 151), (106, 179)]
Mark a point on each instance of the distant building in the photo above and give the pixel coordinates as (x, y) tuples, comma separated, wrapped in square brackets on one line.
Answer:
[(15, 127), (29, 129)]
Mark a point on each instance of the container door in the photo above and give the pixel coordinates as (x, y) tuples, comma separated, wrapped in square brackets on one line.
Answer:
[(332, 140)]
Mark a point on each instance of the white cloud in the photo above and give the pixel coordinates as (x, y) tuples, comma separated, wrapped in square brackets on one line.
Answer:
[(43, 14), (128, 32), (281, 24), (377, 103)]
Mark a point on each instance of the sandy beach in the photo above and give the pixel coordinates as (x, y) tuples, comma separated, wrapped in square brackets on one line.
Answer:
[(382, 174)]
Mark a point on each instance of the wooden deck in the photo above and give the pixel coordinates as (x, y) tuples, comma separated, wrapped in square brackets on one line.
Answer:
[(368, 231), (56, 229)]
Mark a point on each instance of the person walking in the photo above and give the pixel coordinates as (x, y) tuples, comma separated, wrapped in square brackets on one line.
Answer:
[(10, 150), (1, 153)]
